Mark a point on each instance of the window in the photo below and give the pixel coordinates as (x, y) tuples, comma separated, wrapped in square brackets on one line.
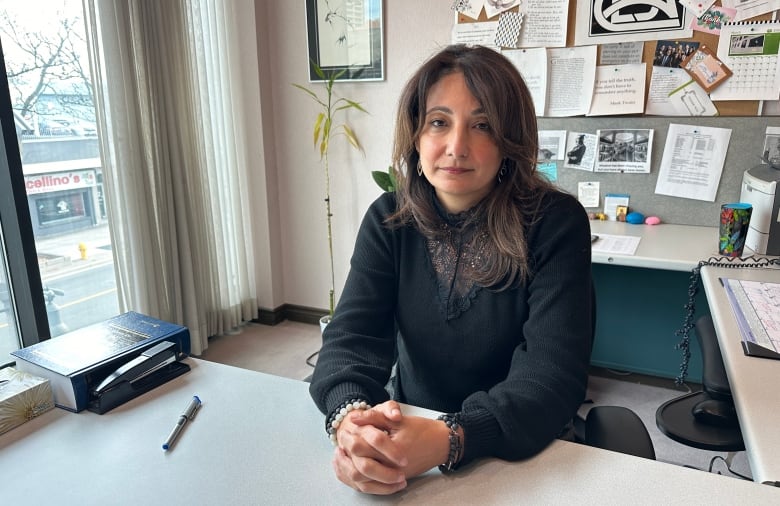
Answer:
[(48, 79)]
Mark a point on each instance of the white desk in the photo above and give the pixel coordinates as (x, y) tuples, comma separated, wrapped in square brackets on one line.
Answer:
[(258, 439), (754, 381), (640, 297), (664, 246)]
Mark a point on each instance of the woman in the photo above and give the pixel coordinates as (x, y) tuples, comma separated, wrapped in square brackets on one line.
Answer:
[(473, 278)]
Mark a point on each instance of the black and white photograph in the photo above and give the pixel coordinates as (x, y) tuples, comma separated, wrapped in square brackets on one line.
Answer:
[(580, 151), (625, 151), (772, 146), (345, 36)]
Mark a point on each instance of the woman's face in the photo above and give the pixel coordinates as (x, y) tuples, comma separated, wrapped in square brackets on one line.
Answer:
[(457, 152)]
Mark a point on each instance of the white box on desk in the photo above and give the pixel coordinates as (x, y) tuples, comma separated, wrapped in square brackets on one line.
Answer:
[(22, 397)]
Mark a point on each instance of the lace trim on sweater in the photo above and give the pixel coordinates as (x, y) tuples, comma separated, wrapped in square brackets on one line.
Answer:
[(456, 257)]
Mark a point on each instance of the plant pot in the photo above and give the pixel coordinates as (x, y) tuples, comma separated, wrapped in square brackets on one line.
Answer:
[(324, 321)]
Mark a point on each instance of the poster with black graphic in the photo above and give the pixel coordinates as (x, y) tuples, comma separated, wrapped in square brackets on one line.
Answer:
[(630, 20)]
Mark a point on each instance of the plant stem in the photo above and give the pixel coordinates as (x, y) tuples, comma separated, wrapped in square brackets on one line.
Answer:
[(332, 298)]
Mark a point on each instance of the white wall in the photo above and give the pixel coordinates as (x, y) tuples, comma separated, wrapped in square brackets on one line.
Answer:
[(296, 260)]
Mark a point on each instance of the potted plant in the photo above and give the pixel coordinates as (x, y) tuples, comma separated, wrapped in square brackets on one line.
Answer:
[(325, 128), (385, 180)]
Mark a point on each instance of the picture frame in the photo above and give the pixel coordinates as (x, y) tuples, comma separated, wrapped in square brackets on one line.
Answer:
[(347, 37), (706, 69)]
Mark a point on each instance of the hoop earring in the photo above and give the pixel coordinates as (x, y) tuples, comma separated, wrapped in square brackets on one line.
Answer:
[(419, 168), (502, 171)]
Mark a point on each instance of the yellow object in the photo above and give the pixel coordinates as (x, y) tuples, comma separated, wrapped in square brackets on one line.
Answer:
[(83, 250)]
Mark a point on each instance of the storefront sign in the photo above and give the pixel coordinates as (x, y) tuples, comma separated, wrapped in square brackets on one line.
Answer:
[(58, 181)]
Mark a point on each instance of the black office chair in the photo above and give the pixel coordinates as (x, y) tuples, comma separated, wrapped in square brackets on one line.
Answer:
[(705, 419), (614, 428)]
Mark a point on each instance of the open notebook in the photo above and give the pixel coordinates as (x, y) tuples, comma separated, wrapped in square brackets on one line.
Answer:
[(756, 306)]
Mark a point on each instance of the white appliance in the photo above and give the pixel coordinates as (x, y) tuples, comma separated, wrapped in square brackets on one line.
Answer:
[(759, 188)]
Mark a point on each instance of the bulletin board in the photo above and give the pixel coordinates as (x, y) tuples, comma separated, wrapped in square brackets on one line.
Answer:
[(746, 132), (724, 107)]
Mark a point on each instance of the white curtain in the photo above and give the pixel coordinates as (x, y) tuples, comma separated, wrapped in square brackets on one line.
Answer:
[(169, 106)]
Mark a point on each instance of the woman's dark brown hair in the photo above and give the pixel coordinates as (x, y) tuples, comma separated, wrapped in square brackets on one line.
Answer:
[(514, 202)]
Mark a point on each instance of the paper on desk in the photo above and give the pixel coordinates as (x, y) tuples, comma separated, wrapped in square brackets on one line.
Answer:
[(616, 244), (692, 161), (756, 306)]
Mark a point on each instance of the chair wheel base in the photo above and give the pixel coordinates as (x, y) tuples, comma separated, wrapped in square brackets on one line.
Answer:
[(675, 419)]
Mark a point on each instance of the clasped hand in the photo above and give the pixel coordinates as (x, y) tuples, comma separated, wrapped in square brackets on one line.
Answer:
[(379, 448)]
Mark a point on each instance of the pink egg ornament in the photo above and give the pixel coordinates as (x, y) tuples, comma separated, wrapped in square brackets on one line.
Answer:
[(652, 220)]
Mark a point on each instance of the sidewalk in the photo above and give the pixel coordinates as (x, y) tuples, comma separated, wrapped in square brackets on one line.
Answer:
[(60, 254)]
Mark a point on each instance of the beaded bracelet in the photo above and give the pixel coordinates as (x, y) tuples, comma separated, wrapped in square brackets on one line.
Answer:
[(338, 414), (456, 445)]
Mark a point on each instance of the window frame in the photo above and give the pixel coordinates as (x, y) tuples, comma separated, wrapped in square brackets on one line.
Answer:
[(17, 232)]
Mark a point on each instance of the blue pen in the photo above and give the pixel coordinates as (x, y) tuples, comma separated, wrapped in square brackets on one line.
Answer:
[(185, 417)]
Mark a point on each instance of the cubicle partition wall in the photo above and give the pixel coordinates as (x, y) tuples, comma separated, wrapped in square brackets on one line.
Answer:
[(640, 309), (745, 149)]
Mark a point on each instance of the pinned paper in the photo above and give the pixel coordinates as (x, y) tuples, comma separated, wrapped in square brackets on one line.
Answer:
[(483, 34), (621, 53), (581, 151), (663, 82), (588, 193), (545, 24), (572, 72), (508, 31), (624, 150), (532, 64), (470, 8), (494, 7), (712, 20), (552, 144), (697, 7), (692, 161), (548, 170), (619, 89), (690, 99)]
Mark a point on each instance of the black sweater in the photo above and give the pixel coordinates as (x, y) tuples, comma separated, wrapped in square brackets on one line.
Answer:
[(513, 363)]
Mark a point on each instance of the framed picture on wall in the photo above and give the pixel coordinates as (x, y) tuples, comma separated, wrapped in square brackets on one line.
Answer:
[(346, 35)]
